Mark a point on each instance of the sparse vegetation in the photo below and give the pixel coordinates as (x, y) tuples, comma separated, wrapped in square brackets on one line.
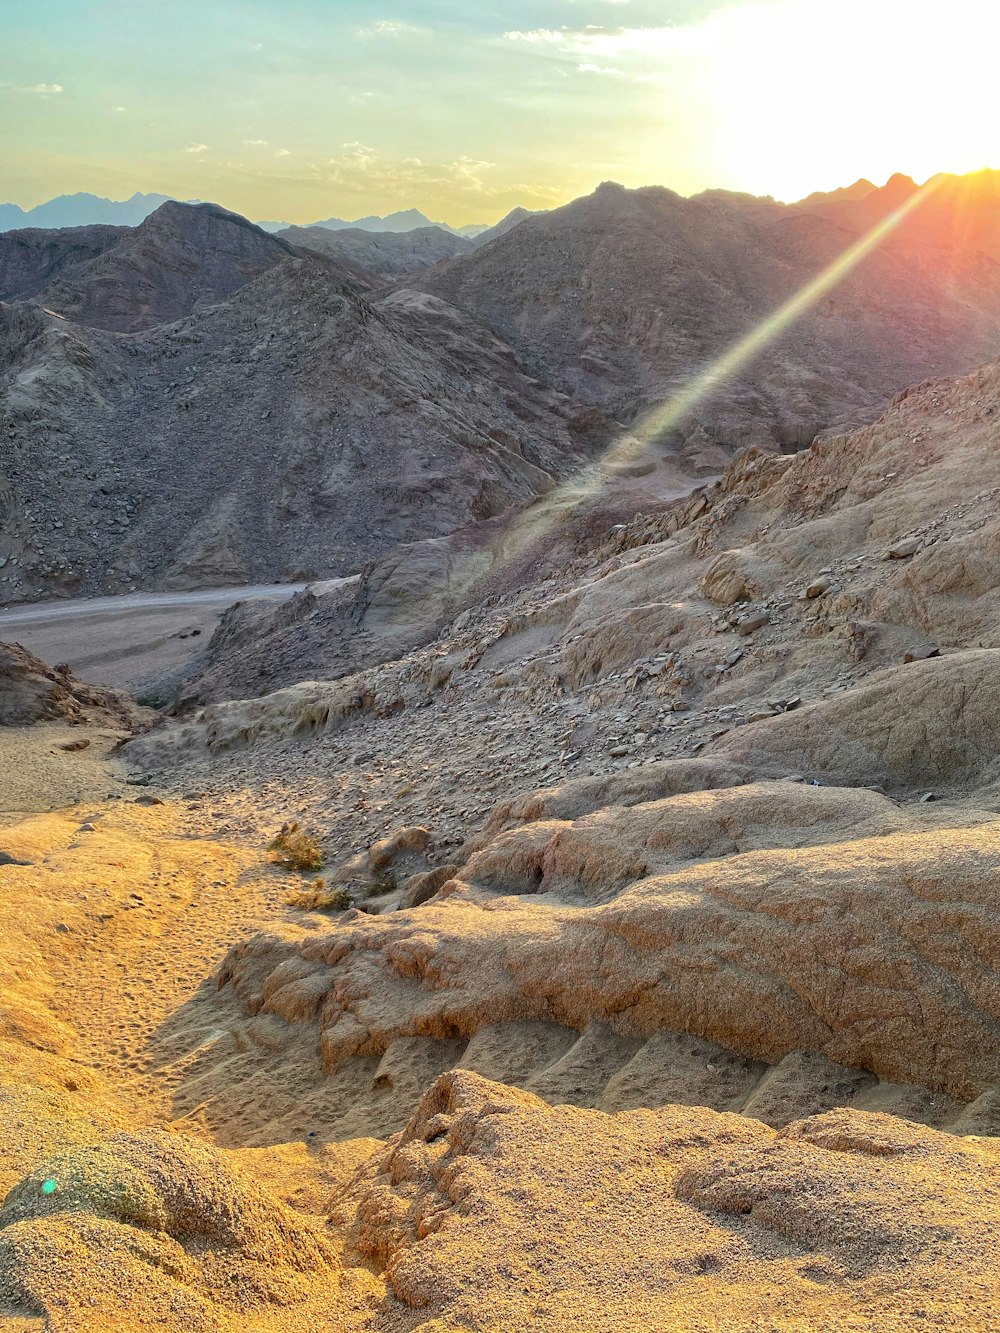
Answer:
[(316, 897), (296, 850)]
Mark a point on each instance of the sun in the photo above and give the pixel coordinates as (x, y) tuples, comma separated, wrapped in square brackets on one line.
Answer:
[(807, 96)]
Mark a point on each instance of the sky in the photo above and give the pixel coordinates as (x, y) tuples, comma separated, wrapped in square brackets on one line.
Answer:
[(298, 110)]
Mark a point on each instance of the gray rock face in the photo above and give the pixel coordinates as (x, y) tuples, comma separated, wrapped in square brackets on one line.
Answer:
[(620, 298), (384, 254), (298, 429), (33, 258), (181, 258)]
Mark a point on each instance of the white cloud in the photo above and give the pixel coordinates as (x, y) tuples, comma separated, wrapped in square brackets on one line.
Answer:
[(359, 168), (588, 68), (119, 109), (197, 148), (386, 28), (539, 36), (283, 152), (254, 143), (42, 89)]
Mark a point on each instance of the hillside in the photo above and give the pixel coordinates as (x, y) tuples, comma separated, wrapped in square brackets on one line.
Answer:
[(648, 982), (386, 254), (296, 430), (621, 297), (180, 258)]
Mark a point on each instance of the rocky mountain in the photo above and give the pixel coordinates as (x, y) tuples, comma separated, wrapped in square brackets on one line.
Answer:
[(505, 224), (32, 259), (180, 258), (407, 219), (698, 733), (296, 430), (957, 216), (385, 254), (621, 297), (82, 210)]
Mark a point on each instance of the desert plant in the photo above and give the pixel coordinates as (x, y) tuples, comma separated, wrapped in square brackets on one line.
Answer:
[(316, 897), (295, 850)]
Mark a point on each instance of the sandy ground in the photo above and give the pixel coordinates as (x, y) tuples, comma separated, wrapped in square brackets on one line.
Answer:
[(128, 642), (493, 1211)]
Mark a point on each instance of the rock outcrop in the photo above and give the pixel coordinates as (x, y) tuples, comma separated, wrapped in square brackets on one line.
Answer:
[(31, 692)]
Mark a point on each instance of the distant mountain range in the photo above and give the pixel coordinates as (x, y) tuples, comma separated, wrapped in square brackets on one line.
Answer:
[(409, 219), (85, 210)]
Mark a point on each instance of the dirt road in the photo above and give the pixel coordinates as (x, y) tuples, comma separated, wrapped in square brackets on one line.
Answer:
[(130, 642)]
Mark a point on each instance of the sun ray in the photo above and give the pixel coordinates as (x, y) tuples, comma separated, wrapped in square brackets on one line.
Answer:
[(679, 407)]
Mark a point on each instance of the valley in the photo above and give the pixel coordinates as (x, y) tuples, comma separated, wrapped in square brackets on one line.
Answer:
[(486, 860)]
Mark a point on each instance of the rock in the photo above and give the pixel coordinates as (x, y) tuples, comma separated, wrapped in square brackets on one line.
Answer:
[(757, 620), (902, 549), (818, 586), (31, 692)]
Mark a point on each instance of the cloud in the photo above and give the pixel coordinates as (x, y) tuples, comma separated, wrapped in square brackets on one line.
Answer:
[(197, 148), (254, 143), (386, 28), (360, 169), (119, 109), (538, 36), (42, 89), (283, 152), (570, 39)]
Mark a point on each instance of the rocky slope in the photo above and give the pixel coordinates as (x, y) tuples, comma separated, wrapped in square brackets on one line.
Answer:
[(296, 430), (667, 998), (621, 297), (386, 254), (33, 258), (730, 773), (30, 692), (181, 258)]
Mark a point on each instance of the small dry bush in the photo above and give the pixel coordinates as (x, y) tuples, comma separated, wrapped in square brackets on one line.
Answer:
[(316, 897), (296, 850)]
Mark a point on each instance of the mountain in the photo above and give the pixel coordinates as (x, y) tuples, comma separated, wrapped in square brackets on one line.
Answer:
[(385, 254), (32, 258), (955, 216), (295, 429), (409, 219), (516, 215), (82, 210), (859, 190), (622, 297), (179, 258)]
